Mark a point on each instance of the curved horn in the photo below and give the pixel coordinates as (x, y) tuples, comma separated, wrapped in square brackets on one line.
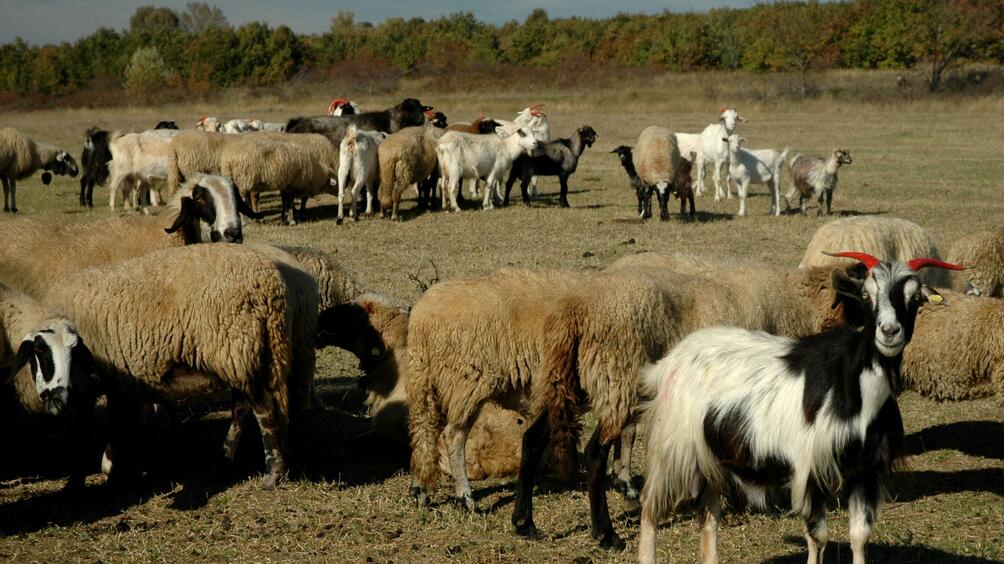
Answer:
[(918, 263), (337, 102), (868, 260)]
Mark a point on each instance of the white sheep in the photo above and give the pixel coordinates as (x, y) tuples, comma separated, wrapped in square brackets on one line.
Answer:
[(358, 160), (43, 357), (716, 151), (139, 162), (210, 124), (813, 177), (20, 157), (273, 127), (760, 166), (463, 155)]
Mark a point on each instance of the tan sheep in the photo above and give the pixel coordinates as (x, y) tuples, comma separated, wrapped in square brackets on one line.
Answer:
[(406, 157), (983, 254), (20, 157), (885, 238), (656, 158), (194, 152)]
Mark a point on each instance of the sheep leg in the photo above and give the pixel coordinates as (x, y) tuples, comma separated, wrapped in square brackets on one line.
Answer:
[(240, 411), (622, 463), (646, 536), (456, 444), (6, 192), (255, 202), (508, 187), (286, 208), (711, 515), (663, 203), (534, 443), (124, 422), (717, 179), (563, 180), (84, 179), (369, 201), (272, 436), (80, 452), (13, 195), (488, 202), (534, 191), (862, 510), (303, 208), (597, 452), (816, 534), (829, 200), (690, 198)]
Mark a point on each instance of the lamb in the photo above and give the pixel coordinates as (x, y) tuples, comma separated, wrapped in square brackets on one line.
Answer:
[(583, 335), (657, 157), (301, 166), (760, 166), (732, 406), (716, 151), (20, 157), (462, 155), (408, 113), (357, 158), (60, 368), (554, 158), (888, 238), (237, 336), (641, 190), (983, 253), (342, 107), (139, 161), (406, 157), (94, 161), (38, 251), (812, 177)]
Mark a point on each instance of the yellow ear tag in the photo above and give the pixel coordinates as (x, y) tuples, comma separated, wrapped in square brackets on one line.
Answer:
[(936, 299)]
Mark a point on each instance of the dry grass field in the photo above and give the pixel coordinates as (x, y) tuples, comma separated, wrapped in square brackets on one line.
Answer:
[(937, 163)]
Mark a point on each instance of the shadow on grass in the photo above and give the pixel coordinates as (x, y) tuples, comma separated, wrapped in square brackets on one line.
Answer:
[(841, 552), (975, 438), (911, 486)]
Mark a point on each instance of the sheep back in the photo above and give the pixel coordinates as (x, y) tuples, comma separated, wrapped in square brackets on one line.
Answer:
[(406, 157), (656, 155), (17, 154), (983, 254), (886, 238)]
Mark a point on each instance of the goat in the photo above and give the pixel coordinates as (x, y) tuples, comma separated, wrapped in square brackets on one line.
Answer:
[(761, 166), (554, 158)]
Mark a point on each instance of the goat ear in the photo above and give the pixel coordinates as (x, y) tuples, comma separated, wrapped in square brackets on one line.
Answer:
[(845, 285), (24, 353), (185, 215)]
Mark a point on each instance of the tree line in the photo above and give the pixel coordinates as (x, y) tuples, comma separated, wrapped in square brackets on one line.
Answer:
[(198, 50)]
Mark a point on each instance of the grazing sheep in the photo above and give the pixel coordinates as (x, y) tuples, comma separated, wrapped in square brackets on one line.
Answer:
[(232, 302), (983, 254), (760, 166), (302, 166), (58, 380), (35, 252), (406, 157), (540, 342), (20, 157), (94, 161), (813, 177), (357, 159), (716, 151), (463, 155), (887, 238), (553, 158), (194, 152), (139, 162), (656, 158), (408, 113), (738, 409)]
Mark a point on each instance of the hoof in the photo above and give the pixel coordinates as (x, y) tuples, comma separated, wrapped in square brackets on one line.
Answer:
[(467, 503), (270, 481), (420, 495), (527, 530), (611, 541), (13, 210), (338, 221), (564, 204), (73, 486), (625, 489)]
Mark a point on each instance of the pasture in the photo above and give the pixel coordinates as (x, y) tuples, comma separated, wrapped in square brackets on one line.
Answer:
[(936, 163)]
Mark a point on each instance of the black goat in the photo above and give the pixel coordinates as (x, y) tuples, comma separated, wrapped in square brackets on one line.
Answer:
[(94, 161), (409, 112), (555, 158)]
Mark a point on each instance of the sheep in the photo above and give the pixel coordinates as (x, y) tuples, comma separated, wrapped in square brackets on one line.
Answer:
[(273, 127), (342, 107), (716, 151), (813, 177), (983, 253), (553, 158), (59, 379), (888, 238), (300, 166), (237, 126), (474, 340), (94, 164), (406, 157), (139, 161), (760, 166), (20, 157), (233, 304), (35, 252), (818, 414), (408, 113), (357, 158), (194, 152), (656, 158), (462, 155)]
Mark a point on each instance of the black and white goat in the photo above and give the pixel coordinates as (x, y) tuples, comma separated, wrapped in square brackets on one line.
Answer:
[(818, 414), (554, 158)]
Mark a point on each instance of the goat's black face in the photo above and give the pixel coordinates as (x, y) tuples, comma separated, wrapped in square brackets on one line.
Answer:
[(624, 152), (487, 126), (348, 327), (588, 135), (64, 165), (439, 120), (843, 156), (166, 125)]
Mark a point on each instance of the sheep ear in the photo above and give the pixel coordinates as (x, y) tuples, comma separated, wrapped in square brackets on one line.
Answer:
[(185, 215), (24, 353), (932, 296), (337, 326), (46, 178), (244, 209), (83, 360)]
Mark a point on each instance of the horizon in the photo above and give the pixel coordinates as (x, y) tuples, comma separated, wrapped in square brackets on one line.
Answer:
[(69, 21)]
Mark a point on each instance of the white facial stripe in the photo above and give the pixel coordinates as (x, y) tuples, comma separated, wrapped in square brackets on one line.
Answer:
[(910, 289), (60, 343), (225, 202)]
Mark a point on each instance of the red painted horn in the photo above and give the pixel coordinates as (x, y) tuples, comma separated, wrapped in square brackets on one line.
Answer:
[(918, 263), (337, 102), (868, 260)]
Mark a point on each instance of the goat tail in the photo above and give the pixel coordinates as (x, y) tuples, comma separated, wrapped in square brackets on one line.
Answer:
[(562, 392), (784, 155), (425, 421)]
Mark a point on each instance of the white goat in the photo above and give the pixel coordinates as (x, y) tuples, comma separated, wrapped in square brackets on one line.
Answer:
[(716, 151), (139, 162), (535, 120), (464, 155), (760, 166), (357, 159), (342, 107)]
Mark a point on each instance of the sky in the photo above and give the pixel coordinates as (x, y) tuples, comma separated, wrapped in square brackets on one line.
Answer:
[(55, 21)]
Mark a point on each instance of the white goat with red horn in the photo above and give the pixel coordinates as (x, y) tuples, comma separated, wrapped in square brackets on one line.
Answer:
[(817, 414)]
